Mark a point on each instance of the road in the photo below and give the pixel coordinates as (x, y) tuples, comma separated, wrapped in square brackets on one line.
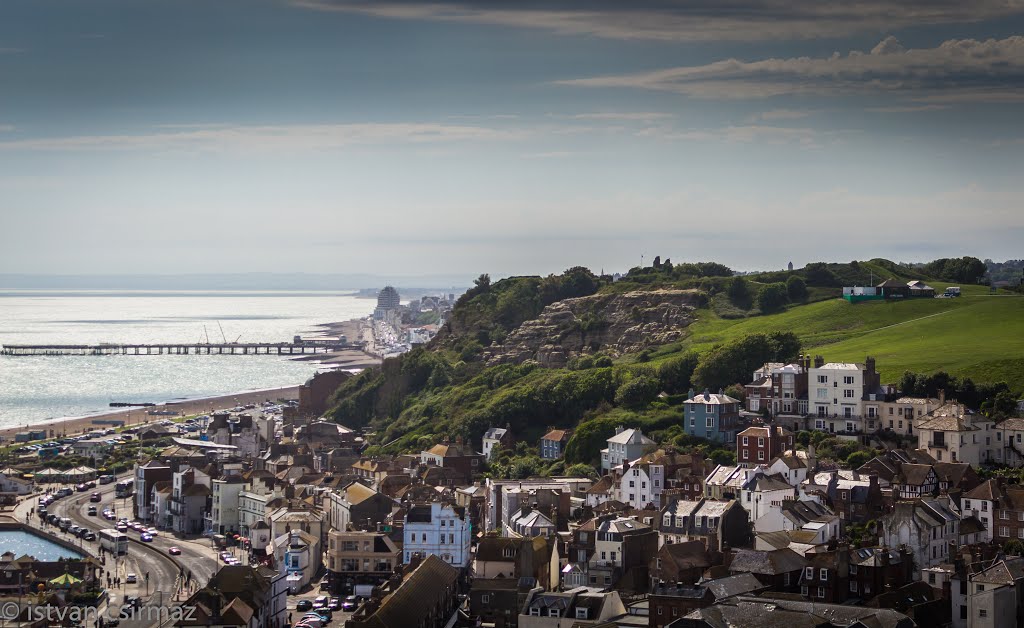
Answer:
[(197, 556)]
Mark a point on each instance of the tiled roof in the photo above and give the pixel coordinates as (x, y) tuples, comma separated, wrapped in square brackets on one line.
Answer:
[(630, 437), (556, 435), (418, 595), (712, 399), (772, 562)]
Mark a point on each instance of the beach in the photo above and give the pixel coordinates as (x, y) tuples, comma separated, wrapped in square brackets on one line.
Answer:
[(139, 416)]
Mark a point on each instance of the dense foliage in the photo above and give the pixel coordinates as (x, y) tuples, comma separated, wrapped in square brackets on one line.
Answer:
[(994, 399), (734, 362), (957, 270)]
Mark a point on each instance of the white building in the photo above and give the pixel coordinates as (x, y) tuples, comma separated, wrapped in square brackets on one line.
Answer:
[(835, 394), (625, 445), (763, 492), (240, 431), (492, 439), (951, 433), (438, 529), (299, 555), (224, 504), (929, 527)]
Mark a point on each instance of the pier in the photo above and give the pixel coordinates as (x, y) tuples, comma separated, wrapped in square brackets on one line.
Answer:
[(229, 348)]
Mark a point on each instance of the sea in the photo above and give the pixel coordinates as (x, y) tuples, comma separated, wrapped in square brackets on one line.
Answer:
[(38, 388)]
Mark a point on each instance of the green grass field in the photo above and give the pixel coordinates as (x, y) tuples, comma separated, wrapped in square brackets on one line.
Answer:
[(976, 335)]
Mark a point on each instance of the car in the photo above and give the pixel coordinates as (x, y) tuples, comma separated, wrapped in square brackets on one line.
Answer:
[(146, 537), (174, 551), (350, 604), (304, 605), (334, 604), (311, 620), (92, 511), (122, 527), (89, 536), (74, 529), (227, 558), (320, 601), (42, 513), (131, 579), (95, 497), (52, 519), (82, 532), (81, 488), (153, 532)]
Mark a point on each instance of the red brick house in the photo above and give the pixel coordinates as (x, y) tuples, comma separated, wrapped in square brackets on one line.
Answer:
[(760, 444)]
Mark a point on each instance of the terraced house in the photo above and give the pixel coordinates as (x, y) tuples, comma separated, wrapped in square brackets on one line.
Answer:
[(715, 417)]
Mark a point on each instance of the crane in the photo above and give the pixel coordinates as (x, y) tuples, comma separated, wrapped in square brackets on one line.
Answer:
[(225, 338)]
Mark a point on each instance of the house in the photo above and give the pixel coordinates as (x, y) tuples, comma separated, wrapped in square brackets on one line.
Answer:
[(240, 431), (778, 569), (900, 415), (625, 445), (552, 444), (999, 508), (893, 289), (357, 505), (837, 392), (426, 597), (779, 389), (497, 437), (806, 515), (497, 601), (913, 481), (189, 502), (669, 601), (875, 570), (643, 481), (465, 462), (1010, 439), (681, 563), (239, 595), (715, 417), (759, 444), (504, 497), (762, 492), (826, 576), (919, 288), (224, 503), (995, 595), (437, 529), (530, 523), (930, 527), (622, 549), (952, 433), (146, 475), (299, 555), (576, 607), (717, 523), (747, 611), (297, 516), (355, 557)]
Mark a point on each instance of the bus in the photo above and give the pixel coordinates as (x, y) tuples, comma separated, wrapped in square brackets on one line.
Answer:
[(114, 542), (124, 488)]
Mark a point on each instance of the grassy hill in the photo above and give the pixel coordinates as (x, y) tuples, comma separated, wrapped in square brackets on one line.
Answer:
[(977, 335)]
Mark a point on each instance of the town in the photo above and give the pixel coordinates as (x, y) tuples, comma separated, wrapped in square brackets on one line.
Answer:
[(270, 515)]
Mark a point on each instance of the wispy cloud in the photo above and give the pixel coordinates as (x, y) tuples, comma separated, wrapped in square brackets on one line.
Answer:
[(746, 134), (990, 70), (781, 114), (641, 116), (693, 20), (906, 108), (270, 138)]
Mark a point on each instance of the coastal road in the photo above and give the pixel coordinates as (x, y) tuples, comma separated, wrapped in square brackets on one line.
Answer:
[(142, 558)]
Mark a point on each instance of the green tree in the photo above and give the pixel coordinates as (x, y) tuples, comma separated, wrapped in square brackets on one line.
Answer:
[(772, 297), (581, 470), (796, 289), (737, 391), (676, 374), (738, 291), (1013, 547), (858, 459), (638, 392), (819, 275), (733, 362)]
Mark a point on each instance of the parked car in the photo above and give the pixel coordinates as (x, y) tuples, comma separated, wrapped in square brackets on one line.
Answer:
[(89, 536), (320, 601), (334, 604), (303, 605), (350, 604)]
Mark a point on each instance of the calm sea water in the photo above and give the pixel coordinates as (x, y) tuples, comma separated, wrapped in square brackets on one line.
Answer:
[(21, 543), (40, 388)]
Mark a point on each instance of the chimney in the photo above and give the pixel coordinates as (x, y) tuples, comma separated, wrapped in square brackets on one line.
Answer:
[(819, 361), (942, 396), (619, 429)]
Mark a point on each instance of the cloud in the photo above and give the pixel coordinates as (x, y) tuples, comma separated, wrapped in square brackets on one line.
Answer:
[(958, 69), (6, 128), (906, 108), (781, 114), (627, 116), (746, 134), (686, 20), (270, 138)]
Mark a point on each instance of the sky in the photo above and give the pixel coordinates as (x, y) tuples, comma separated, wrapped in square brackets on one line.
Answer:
[(508, 136)]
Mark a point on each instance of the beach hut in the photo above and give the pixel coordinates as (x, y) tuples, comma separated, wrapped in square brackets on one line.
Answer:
[(80, 474), (48, 475)]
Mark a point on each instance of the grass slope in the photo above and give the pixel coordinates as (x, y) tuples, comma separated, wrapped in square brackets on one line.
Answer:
[(977, 335)]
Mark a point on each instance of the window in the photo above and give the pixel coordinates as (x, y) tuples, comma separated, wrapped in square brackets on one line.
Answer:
[(803, 591), (485, 599), (760, 455), (824, 575), (745, 441), (809, 573), (853, 586), (535, 612), (848, 393), (848, 380), (1004, 531), (822, 393), (1004, 514), (823, 379), (760, 442), (931, 578), (821, 592), (711, 421), (632, 484), (982, 612)]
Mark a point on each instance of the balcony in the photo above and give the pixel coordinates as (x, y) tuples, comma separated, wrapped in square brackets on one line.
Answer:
[(933, 444)]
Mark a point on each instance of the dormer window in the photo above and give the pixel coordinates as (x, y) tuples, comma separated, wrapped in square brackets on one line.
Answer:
[(581, 613)]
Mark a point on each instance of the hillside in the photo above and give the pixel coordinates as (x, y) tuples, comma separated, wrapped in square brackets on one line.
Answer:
[(577, 350)]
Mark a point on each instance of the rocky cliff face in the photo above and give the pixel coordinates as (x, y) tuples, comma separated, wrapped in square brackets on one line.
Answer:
[(612, 324)]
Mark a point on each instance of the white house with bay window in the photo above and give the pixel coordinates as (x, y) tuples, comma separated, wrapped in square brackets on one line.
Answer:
[(438, 529)]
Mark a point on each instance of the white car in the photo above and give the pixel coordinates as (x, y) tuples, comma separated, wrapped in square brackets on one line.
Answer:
[(131, 578)]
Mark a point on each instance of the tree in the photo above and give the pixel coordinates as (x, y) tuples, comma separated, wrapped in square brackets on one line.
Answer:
[(638, 392), (738, 292), (858, 459), (733, 362), (1013, 547), (737, 391), (675, 374), (482, 283), (581, 470), (796, 288), (819, 275), (772, 297)]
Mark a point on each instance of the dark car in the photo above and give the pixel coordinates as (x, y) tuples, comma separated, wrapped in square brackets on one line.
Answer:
[(334, 604), (303, 605), (350, 603), (88, 536), (95, 497), (92, 511)]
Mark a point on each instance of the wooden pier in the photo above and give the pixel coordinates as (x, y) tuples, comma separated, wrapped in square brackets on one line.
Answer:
[(230, 348)]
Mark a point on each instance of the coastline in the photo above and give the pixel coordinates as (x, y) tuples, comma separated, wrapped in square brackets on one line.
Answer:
[(138, 416)]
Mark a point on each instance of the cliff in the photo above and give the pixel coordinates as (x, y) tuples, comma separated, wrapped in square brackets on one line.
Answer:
[(612, 324)]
